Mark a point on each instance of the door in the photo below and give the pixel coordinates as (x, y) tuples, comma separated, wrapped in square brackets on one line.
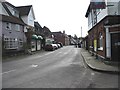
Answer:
[(38, 45), (115, 46), (33, 45)]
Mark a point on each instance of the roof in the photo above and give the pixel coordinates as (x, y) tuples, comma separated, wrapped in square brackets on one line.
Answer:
[(6, 8), (95, 5), (59, 32), (12, 19), (37, 24), (9, 4), (88, 11), (24, 10)]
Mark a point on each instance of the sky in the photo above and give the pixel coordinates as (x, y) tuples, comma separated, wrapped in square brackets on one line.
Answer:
[(59, 15)]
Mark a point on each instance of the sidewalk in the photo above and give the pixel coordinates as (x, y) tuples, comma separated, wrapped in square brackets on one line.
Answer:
[(96, 64), (20, 55)]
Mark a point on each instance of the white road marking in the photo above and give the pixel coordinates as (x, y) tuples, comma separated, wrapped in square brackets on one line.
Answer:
[(8, 72), (34, 65)]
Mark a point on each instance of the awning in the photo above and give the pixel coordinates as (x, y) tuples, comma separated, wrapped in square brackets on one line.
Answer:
[(34, 36), (40, 37)]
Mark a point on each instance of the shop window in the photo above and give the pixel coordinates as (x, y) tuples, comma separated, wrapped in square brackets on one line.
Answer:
[(10, 43), (100, 43), (20, 42)]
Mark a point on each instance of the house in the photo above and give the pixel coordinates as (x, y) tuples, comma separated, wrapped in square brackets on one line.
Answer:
[(72, 41), (39, 33), (13, 36), (84, 42), (49, 38), (28, 17), (104, 29), (61, 37)]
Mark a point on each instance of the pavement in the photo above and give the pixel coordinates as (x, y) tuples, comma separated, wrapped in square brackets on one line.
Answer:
[(97, 64)]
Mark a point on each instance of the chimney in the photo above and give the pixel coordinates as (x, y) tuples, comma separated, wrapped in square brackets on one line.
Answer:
[(63, 31)]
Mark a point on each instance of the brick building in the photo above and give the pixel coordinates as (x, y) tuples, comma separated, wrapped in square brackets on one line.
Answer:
[(104, 30), (61, 37)]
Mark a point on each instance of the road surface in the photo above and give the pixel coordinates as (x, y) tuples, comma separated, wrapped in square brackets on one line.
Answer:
[(62, 68)]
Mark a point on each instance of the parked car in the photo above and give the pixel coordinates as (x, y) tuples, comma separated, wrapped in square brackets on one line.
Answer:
[(49, 47), (55, 46), (60, 44)]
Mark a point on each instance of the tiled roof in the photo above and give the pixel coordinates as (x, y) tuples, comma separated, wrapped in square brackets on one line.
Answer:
[(37, 24), (24, 10), (12, 19)]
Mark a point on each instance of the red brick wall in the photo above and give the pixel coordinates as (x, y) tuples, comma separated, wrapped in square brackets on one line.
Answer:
[(115, 29), (94, 33), (59, 37), (99, 28)]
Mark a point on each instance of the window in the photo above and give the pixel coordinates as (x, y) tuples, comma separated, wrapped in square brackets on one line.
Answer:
[(8, 26), (100, 42), (17, 27), (20, 42), (10, 43)]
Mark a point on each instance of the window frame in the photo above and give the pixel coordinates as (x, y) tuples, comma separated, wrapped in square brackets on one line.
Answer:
[(8, 26)]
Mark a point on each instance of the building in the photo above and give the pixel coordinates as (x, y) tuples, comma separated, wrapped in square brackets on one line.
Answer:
[(28, 17), (13, 36), (84, 43), (48, 36), (72, 41), (61, 37), (104, 29), (39, 33)]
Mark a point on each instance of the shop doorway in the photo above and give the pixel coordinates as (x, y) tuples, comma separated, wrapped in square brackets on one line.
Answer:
[(115, 46)]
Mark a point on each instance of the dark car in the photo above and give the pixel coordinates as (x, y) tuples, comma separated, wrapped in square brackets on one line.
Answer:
[(49, 47)]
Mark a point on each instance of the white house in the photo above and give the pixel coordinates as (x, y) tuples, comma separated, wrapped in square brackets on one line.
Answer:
[(28, 16), (13, 35)]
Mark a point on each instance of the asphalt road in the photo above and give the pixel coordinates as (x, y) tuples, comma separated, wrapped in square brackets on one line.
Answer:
[(62, 68)]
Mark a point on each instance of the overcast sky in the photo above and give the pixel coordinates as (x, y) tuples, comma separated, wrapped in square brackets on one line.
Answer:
[(59, 15)]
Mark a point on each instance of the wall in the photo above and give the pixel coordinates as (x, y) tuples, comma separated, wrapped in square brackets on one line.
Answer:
[(25, 19), (13, 11), (101, 29), (94, 35), (119, 8), (112, 8), (13, 33), (31, 18)]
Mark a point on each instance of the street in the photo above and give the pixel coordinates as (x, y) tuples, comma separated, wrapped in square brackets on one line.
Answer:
[(62, 68)]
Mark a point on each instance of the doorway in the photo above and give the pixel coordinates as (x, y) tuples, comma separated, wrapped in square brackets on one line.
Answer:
[(115, 46)]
